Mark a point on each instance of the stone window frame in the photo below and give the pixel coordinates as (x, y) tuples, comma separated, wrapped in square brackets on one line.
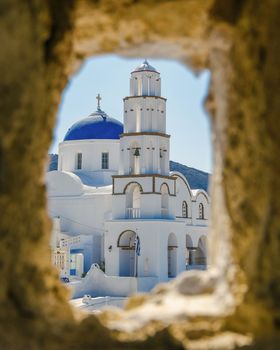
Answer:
[(235, 31)]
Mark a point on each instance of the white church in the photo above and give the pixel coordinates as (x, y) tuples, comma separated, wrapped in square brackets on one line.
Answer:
[(115, 202)]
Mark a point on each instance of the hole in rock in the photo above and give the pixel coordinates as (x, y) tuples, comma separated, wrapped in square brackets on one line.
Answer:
[(128, 179)]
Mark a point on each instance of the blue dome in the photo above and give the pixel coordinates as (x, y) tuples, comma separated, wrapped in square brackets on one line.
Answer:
[(96, 126)]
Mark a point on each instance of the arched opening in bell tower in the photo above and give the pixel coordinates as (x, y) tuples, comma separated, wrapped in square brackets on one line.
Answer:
[(164, 200), (133, 203), (134, 158), (126, 245)]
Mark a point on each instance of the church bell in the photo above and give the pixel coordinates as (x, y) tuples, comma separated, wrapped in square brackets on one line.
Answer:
[(136, 153)]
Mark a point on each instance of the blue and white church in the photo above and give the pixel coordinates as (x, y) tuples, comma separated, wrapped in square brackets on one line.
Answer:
[(115, 204)]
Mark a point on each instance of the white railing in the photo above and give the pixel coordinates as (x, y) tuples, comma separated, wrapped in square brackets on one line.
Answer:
[(164, 212), (133, 213)]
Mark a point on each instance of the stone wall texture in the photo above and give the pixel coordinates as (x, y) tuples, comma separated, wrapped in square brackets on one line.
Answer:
[(42, 43)]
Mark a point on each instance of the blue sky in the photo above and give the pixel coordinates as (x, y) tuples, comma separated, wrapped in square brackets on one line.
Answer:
[(108, 75)]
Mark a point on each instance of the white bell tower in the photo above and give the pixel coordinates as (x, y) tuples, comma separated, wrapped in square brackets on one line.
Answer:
[(144, 149), (138, 239), (144, 145)]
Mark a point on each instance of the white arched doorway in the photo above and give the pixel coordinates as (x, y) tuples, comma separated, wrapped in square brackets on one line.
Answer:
[(126, 244), (172, 255), (201, 252), (133, 192)]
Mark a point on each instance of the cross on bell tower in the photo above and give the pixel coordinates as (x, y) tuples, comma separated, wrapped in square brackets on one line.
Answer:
[(98, 97)]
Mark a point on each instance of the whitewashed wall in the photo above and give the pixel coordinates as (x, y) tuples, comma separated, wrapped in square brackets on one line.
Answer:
[(91, 154), (153, 236)]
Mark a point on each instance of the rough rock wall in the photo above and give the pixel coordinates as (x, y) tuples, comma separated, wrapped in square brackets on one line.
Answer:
[(42, 42), (251, 170)]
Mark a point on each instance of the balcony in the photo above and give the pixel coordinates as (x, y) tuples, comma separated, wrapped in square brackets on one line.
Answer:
[(133, 213)]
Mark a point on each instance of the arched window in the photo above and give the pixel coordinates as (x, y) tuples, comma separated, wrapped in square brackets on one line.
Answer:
[(164, 200), (185, 210), (201, 211), (133, 192)]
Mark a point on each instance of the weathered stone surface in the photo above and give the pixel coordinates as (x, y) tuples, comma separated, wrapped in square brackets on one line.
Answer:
[(42, 43)]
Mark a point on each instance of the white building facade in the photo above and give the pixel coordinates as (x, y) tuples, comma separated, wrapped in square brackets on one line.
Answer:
[(114, 185)]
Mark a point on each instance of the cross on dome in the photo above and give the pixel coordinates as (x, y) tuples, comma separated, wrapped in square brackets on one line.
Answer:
[(98, 97)]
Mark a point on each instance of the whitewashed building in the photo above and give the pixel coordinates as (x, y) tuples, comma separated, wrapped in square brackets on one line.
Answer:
[(113, 185)]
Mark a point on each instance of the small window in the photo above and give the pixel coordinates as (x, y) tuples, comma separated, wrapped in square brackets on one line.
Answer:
[(79, 161), (201, 211), (105, 160), (184, 210)]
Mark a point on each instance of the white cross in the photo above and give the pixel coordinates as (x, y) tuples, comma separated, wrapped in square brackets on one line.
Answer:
[(98, 97)]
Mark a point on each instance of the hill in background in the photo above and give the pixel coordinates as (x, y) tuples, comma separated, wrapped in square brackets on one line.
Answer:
[(196, 178)]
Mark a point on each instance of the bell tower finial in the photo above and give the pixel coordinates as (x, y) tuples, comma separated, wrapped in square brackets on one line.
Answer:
[(98, 97)]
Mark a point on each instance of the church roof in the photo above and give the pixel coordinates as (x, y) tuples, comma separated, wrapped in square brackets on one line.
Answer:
[(145, 66), (97, 125)]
